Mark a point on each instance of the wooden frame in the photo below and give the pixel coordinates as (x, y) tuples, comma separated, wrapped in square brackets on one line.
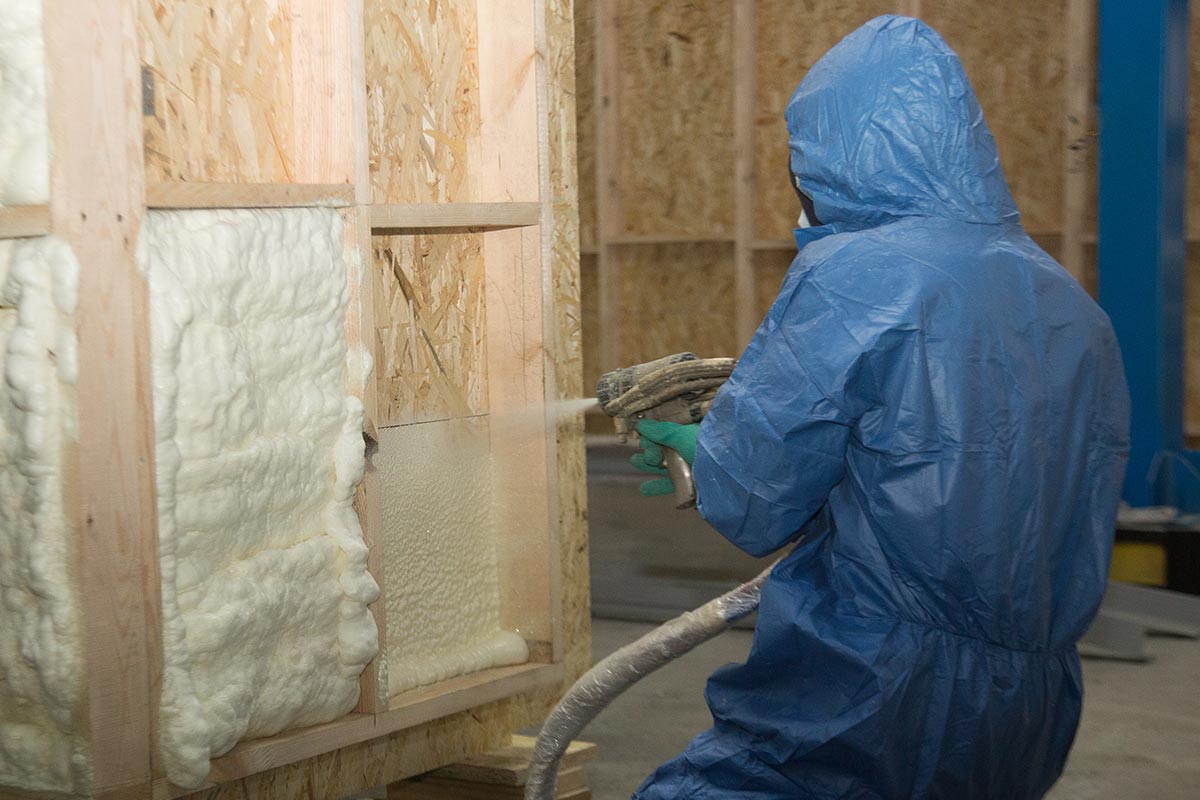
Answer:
[(97, 204), (615, 248)]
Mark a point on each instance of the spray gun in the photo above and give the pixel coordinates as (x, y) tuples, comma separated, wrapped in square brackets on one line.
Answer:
[(678, 388)]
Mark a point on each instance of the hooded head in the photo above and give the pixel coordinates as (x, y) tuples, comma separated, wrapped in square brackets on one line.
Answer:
[(886, 125)]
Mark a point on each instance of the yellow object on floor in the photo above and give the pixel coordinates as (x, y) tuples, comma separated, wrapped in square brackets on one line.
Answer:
[(1139, 562)]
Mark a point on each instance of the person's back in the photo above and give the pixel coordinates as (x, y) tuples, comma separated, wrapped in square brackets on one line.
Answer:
[(940, 411)]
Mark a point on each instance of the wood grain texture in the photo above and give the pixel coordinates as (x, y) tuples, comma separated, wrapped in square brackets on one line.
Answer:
[(96, 207), (677, 298), (423, 101), (676, 146), (1015, 56), (180, 194), (20, 221), (791, 37), (431, 318), (223, 87), (387, 218)]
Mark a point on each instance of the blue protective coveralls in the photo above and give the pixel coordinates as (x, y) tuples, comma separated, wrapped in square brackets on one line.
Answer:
[(940, 412)]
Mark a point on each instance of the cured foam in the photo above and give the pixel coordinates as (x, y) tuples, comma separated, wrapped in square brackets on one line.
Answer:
[(24, 134), (39, 617), (259, 450), (443, 598)]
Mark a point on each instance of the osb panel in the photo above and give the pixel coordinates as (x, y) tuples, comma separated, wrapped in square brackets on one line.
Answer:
[(676, 110), (565, 342), (585, 114), (430, 321), (423, 101), (676, 298), (222, 89), (769, 268), (791, 37), (1015, 55)]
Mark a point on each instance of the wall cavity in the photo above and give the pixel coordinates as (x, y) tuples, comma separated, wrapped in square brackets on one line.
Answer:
[(39, 619), (24, 137), (439, 532), (259, 450)]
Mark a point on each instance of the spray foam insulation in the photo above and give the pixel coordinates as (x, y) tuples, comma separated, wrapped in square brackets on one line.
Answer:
[(24, 136), (39, 616), (259, 450), (440, 531)]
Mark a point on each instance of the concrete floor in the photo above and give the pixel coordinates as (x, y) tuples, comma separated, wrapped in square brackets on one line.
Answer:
[(1139, 737)]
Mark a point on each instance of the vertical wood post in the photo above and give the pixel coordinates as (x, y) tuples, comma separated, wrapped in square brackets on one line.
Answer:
[(97, 190), (609, 219), (1078, 124)]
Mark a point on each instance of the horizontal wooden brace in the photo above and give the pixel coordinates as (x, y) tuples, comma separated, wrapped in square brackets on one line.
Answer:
[(406, 710), (385, 218), (183, 194), (20, 221)]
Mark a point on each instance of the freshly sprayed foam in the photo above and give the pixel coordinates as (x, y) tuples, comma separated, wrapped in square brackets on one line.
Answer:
[(40, 672), (24, 136), (259, 451), (443, 598)]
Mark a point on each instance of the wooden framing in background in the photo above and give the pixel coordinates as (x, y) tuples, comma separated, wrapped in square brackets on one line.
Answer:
[(318, 155), (757, 236)]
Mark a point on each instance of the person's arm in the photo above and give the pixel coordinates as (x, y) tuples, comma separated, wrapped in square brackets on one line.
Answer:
[(773, 445)]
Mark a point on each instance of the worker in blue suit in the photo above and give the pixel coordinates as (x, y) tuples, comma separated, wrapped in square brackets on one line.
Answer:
[(937, 412)]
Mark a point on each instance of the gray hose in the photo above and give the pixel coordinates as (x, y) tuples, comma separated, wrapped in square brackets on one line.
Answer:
[(604, 682)]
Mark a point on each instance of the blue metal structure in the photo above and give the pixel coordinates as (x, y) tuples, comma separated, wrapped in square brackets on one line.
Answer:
[(1143, 76)]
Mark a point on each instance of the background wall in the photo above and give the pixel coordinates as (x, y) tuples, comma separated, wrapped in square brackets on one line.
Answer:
[(686, 212)]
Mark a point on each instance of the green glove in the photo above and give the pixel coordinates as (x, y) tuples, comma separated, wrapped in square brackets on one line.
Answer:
[(654, 436)]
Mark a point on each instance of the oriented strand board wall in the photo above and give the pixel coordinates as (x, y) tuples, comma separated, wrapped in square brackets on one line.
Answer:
[(791, 37), (431, 317), (676, 105), (677, 297), (423, 101), (222, 77), (1015, 55)]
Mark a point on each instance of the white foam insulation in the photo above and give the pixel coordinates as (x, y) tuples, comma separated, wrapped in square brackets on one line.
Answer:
[(24, 137), (259, 450)]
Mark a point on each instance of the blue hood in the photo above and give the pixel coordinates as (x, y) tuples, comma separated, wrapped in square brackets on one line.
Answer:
[(886, 125)]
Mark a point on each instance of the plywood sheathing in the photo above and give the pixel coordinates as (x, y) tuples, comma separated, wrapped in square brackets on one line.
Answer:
[(791, 37), (431, 320), (677, 297), (676, 106), (423, 101), (222, 77), (1015, 55)]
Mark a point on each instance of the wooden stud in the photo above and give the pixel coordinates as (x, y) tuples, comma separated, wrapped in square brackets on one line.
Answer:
[(609, 223), (408, 710), (172, 194), (388, 218), (1078, 88), (517, 410), (20, 221), (909, 8), (745, 91), (96, 207)]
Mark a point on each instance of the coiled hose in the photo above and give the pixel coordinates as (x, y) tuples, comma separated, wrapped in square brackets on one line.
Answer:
[(604, 682)]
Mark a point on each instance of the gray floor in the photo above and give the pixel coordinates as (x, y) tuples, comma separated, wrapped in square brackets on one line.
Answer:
[(1140, 734)]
